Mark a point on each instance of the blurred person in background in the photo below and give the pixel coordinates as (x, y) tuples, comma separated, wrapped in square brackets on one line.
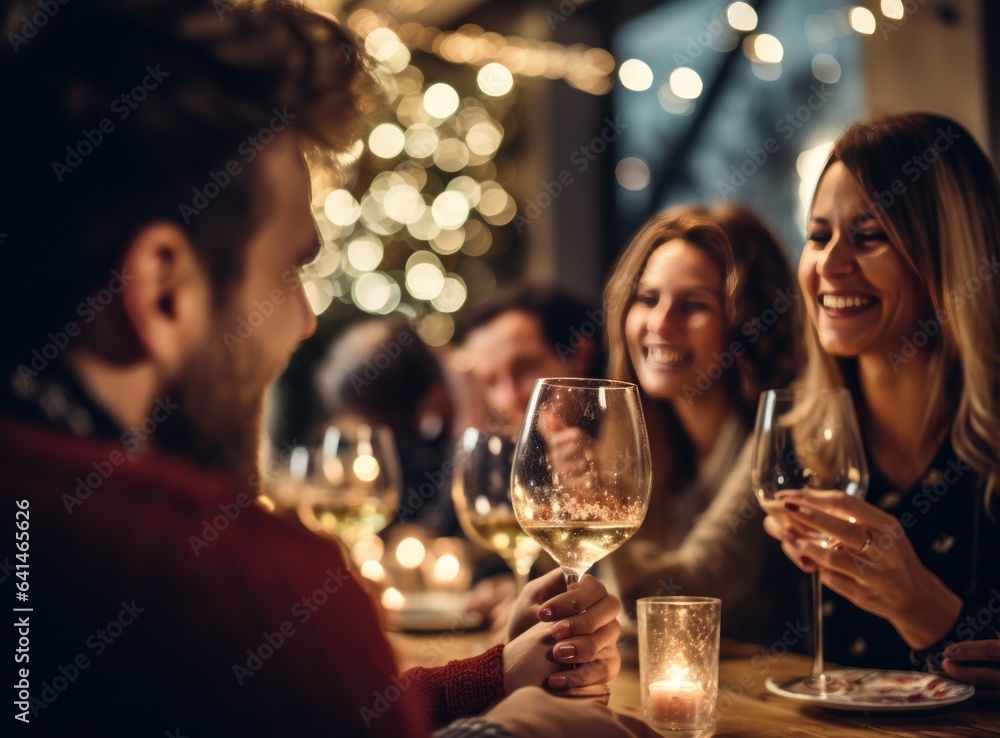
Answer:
[(163, 597), (701, 314), (523, 333), (380, 370)]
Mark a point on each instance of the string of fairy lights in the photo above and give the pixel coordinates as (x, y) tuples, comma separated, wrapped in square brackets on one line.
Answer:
[(420, 237)]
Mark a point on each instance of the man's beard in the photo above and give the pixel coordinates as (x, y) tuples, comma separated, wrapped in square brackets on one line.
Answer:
[(219, 421)]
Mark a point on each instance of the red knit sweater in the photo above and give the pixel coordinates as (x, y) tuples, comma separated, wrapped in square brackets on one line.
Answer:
[(164, 602)]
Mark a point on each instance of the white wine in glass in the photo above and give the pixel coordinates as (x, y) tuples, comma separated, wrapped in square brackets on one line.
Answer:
[(808, 440), (350, 483), (481, 493), (581, 476)]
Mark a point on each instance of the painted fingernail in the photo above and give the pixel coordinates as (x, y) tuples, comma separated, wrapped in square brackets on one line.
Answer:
[(791, 506), (558, 682), (546, 613), (562, 630), (565, 651), (806, 561), (952, 650)]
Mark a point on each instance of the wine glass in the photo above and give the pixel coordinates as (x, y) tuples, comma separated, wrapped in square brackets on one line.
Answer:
[(481, 492), (350, 483), (581, 476), (808, 440)]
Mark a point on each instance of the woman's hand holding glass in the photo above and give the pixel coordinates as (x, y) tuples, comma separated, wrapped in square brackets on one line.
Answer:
[(873, 565), (551, 627)]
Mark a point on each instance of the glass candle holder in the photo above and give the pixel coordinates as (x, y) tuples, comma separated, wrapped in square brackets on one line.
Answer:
[(679, 664)]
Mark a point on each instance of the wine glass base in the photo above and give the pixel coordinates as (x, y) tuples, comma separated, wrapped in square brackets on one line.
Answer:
[(683, 732), (819, 686)]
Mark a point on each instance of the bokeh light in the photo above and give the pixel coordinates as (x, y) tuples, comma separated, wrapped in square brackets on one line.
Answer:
[(386, 140), (450, 209), (741, 16), (863, 20), (495, 80), (685, 83), (636, 75), (440, 100)]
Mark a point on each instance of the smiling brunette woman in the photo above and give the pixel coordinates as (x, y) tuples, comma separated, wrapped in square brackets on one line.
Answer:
[(700, 315), (899, 280)]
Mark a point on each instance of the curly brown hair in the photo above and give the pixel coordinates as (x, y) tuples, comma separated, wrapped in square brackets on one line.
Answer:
[(124, 109)]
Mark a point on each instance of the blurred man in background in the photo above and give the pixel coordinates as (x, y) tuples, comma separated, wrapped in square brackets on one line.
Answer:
[(525, 333)]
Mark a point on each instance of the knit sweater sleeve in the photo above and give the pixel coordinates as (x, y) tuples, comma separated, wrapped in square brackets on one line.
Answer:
[(459, 689)]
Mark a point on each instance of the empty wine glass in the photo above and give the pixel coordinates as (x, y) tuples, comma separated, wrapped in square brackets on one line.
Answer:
[(808, 440), (481, 492)]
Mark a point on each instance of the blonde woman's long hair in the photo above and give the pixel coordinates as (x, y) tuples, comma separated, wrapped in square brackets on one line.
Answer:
[(756, 274), (946, 227)]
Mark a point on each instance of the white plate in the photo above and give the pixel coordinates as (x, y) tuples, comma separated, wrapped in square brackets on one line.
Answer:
[(429, 612), (883, 691)]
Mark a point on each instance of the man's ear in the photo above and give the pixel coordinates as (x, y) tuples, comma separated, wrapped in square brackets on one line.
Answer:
[(167, 295)]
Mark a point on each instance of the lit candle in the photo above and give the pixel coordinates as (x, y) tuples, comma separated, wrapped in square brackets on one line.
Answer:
[(677, 700)]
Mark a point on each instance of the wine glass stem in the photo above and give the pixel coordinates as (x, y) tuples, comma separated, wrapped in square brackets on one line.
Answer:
[(572, 577), (817, 597), (520, 578)]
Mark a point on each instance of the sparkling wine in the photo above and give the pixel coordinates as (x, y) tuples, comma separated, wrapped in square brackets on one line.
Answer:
[(578, 544)]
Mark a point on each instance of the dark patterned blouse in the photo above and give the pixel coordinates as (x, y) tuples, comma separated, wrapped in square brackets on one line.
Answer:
[(945, 518)]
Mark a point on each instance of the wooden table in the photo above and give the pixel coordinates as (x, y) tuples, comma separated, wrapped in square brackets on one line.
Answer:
[(746, 708)]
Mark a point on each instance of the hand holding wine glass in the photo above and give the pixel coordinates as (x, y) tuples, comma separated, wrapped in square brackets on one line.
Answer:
[(809, 441), (581, 477)]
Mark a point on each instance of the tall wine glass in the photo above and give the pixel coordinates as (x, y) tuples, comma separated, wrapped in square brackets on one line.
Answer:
[(350, 482), (481, 492), (808, 440), (581, 477)]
